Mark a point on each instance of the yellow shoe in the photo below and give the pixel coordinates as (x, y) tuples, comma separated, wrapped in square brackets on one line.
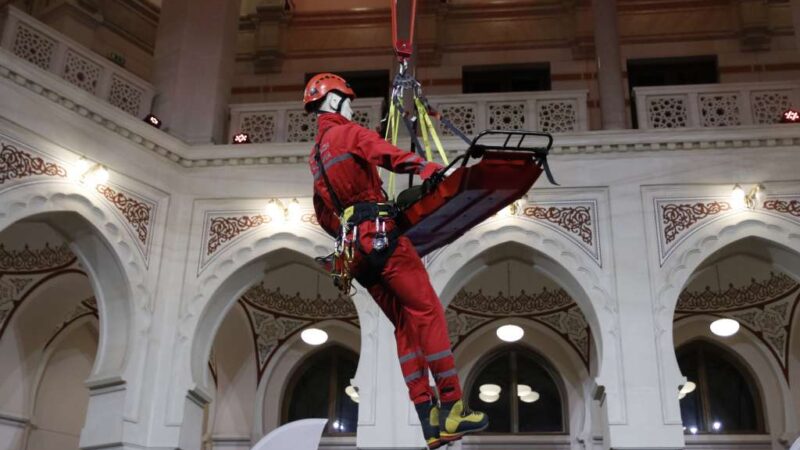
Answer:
[(428, 414), (456, 420)]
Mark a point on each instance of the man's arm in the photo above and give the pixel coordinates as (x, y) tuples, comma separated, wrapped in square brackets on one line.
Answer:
[(372, 148)]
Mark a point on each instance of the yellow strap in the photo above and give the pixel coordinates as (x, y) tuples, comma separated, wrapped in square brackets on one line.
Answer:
[(424, 128)]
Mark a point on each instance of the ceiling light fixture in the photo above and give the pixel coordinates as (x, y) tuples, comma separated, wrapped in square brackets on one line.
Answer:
[(152, 120), (91, 173), (314, 336), (510, 333), (530, 397), (741, 200), (490, 389), (724, 327), (241, 138), (488, 398)]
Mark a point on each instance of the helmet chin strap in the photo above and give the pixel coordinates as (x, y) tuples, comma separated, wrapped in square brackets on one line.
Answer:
[(337, 103)]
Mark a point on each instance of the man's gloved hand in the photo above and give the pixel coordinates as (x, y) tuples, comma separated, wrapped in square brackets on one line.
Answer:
[(432, 181)]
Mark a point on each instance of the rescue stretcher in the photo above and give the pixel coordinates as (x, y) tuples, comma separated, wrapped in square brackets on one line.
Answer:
[(509, 164)]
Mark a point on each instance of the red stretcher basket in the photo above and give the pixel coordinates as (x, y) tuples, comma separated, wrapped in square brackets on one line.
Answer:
[(507, 169)]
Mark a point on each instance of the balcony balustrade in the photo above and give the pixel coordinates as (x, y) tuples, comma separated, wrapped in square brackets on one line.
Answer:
[(714, 105), (50, 50), (552, 111)]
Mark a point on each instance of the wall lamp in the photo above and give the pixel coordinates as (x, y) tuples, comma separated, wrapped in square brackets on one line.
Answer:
[(90, 172), (280, 211), (750, 199)]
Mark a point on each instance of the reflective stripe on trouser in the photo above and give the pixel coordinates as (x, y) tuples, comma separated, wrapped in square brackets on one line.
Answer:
[(407, 298)]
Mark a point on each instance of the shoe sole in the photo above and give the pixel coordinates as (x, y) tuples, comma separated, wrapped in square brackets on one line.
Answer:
[(436, 444), (446, 437)]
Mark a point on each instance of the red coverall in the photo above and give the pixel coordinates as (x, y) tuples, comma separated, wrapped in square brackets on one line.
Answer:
[(350, 155)]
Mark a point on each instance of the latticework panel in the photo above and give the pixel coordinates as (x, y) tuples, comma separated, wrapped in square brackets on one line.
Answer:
[(362, 117), (301, 127), (507, 116), (81, 72), (461, 116), (720, 110), (557, 116), (125, 96), (259, 126), (667, 112), (33, 46), (768, 106)]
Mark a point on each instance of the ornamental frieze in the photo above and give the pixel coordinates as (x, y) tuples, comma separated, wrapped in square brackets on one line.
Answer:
[(679, 217), (225, 229), (276, 301), (576, 220), (547, 300), (17, 164), (756, 293), (35, 260), (787, 207), (136, 212)]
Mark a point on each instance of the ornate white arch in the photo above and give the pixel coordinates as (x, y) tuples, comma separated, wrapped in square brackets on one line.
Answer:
[(209, 296), (116, 269), (590, 286), (669, 281)]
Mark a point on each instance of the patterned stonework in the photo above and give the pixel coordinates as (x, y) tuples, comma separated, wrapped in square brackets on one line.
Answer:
[(310, 218), (577, 220), (35, 260), (678, 218), (296, 306), (554, 309), (275, 317), (765, 307), (224, 229), (788, 207), (17, 164), (136, 212)]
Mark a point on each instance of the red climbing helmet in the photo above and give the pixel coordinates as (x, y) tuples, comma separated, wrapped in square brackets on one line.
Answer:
[(319, 86)]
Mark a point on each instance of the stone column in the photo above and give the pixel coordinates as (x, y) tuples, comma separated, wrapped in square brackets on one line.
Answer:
[(609, 70), (386, 417), (796, 21), (193, 67)]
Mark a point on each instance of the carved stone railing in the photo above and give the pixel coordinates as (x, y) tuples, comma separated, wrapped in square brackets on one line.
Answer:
[(287, 122), (714, 105), (552, 111), (50, 50)]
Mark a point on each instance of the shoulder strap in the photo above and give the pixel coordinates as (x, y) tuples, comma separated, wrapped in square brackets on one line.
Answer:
[(336, 203)]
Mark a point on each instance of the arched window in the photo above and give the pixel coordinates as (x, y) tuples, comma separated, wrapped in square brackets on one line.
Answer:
[(317, 390), (529, 399), (725, 399)]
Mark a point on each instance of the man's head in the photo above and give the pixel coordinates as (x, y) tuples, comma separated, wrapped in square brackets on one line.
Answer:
[(327, 92)]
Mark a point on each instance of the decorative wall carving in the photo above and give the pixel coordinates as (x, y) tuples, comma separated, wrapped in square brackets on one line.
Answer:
[(765, 307), (277, 302), (462, 116), (680, 217), (259, 126), (557, 116), (81, 72), (125, 96), (577, 220), (223, 229), (16, 164), (136, 212), (275, 317), (667, 112), (554, 309), (507, 116), (720, 110), (309, 218), (33, 46), (769, 105), (301, 126), (35, 260), (790, 207)]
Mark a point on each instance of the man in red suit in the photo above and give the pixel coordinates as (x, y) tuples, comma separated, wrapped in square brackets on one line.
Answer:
[(347, 188)]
